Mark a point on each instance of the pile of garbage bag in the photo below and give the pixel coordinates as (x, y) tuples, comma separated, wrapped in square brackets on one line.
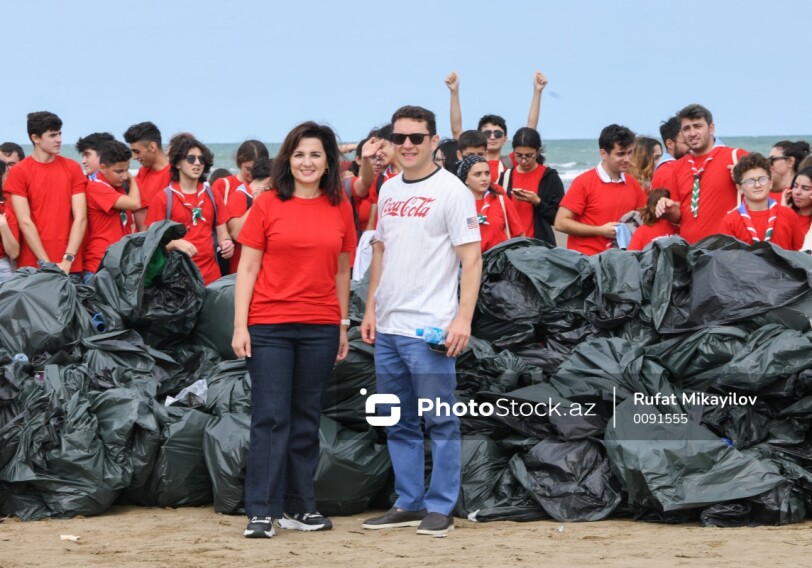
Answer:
[(668, 385)]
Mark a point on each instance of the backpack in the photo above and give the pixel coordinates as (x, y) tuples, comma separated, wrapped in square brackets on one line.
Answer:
[(222, 263)]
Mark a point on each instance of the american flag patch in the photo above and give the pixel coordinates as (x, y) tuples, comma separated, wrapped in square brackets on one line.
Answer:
[(471, 223)]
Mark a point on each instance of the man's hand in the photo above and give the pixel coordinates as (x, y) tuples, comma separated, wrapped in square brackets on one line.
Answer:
[(452, 82), (372, 147), (368, 327), (540, 81), (663, 205), (458, 333), (65, 266), (226, 248), (183, 246), (609, 230)]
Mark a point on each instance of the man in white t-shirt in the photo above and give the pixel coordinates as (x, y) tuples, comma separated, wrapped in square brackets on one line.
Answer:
[(427, 227)]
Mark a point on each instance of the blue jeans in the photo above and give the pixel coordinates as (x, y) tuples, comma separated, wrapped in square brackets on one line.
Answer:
[(289, 368), (407, 368)]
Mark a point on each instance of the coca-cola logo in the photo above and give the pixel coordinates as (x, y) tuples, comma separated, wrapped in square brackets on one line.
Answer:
[(412, 207)]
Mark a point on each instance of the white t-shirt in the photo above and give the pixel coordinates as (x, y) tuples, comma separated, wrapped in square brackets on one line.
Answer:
[(419, 223)]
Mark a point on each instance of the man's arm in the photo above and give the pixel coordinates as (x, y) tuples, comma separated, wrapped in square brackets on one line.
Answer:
[(78, 206), (458, 332), (539, 82), (566, 223), (131, 201), (375, 267), (28, 229), (453, 84), (224, 241)]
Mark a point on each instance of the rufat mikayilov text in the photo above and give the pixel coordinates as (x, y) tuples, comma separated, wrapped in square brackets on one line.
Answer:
[(695, 398)]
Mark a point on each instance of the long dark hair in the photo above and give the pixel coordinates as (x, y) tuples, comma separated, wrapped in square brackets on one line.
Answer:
[(330, 182)]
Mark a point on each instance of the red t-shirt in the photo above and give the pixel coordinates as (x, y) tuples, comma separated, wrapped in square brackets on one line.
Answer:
[(804, 223), (105, 224), (300, 240), (663, 177), (528, 181), (219, 187), (717, 193), (595, 202), (200, 233), (49, 189), (152, 182), (786, 232), (497, 167), (236, 207), (363, 205), (493, 229), (645, 234), (5, 209)]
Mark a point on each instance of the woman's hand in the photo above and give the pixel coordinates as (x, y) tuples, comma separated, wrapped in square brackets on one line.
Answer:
[(241, 342), (343, 345)]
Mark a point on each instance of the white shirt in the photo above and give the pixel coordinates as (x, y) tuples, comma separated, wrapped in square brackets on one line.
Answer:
[(605, 178), (419, 223)]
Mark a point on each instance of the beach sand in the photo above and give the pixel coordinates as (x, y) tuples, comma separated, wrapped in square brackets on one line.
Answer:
[(199, 537)]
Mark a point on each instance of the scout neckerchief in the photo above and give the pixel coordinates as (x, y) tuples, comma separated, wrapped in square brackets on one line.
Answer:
[(748, 221), (481, 216), (122, 214), (197, 212), (697, 173)]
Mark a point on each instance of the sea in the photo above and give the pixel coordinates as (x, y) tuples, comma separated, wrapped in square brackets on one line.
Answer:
[(569, 157)]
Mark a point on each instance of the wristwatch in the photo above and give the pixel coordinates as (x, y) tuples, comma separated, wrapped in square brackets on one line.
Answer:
[(69, 257), (345, 322)]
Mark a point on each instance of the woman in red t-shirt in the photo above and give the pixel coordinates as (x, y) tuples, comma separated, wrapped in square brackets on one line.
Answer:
[(247, 153), (498, 220), (652, 228), (801, 202), (290, 322)]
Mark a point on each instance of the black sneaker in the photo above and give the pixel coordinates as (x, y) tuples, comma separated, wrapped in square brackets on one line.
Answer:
[(259, 527), (436, 524), (305, 522), (394, 518)]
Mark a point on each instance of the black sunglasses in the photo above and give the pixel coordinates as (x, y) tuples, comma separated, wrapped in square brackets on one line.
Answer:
[(774, 159), (495, 133), (415, 138), (191, 159)]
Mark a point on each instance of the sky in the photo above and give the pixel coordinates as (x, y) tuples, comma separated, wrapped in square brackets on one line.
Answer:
[(232, 70)]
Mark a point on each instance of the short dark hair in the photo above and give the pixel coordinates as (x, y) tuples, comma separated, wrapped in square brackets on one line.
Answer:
[(11, 147), (694, 111), (41, 122), (330, 182), (492, 119), (93, 141), (449, 147), (219, 173), (112, 152), (615, 134), (750, 162), (143, 132), (179, 147), (417, 113), (472, 139), (251, 150), (669, 130), (262, 168)]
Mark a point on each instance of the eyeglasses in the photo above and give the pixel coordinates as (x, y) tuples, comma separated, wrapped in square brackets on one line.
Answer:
[(495, 133), (752, 182), (192, 159), (774, 159), (415, 138), (523, 157)]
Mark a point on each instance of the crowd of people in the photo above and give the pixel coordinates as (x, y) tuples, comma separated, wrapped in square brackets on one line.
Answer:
[(415, 213)]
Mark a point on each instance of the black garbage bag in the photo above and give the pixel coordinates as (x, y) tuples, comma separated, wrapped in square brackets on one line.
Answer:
[(676, 466), (573, 481), (543, 357), (225, 449), (42, 311), (12, 375), (196, 362), (155, 292), (358, 299), (179, 476), (770, 353), (343, 401), (617, 296), (779, 506), (502, 334), (215, 322), (730, 284), (353, 468), (489, 491), (229, 388)]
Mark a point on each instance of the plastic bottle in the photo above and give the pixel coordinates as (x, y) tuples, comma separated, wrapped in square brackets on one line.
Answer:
[(20, 357), (99, 323), (433, 336)]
